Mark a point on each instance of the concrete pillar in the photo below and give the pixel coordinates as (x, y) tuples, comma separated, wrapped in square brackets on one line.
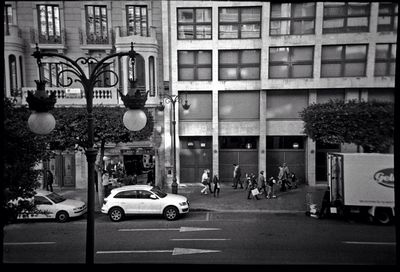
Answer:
[(262, 145), (311, 147), (215, 134)]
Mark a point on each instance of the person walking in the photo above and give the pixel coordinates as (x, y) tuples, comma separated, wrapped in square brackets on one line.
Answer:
[(237, 173), (261, 183), (253, 185), (106, 182), (204, 182), (270, 188), (283, 176), (50, 180), (217, 185), (209, 181)]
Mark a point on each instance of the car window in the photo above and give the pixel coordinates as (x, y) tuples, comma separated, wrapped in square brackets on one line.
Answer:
[(41, 200), (145, 194), (127, 194), (56, 198), (158, 192)]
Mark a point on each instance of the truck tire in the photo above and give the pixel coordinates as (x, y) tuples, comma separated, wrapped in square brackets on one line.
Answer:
[(383, 216)]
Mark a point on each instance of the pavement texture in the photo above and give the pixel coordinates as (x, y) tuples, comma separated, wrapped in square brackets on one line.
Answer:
[(231, 200)]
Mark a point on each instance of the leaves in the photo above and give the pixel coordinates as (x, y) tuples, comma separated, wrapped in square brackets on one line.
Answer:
[(369, 124)]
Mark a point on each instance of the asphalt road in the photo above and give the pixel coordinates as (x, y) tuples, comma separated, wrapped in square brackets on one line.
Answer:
[(205, 238)]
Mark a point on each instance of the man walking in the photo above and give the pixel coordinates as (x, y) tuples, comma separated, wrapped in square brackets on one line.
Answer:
[(261, 183), (236, 176)]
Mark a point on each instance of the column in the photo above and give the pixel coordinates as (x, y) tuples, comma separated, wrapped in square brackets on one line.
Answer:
[(310, 149)]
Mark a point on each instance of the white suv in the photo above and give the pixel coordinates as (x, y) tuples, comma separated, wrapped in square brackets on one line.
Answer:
[(143, 199)]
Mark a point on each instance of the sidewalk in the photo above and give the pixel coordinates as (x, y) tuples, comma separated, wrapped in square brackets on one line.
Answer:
[(229, 200)]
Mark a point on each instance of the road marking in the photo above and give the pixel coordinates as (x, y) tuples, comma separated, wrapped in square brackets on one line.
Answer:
[(200, 239), (30, 243), (175, 251), (369, 243), (181, 229)]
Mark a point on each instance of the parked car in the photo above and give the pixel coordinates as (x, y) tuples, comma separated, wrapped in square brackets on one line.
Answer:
[(52, 205), (143, 199)]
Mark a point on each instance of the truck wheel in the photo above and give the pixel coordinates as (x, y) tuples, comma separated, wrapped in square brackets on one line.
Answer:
[(383, 216)]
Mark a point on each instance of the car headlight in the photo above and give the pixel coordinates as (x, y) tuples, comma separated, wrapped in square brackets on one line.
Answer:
[(182, 204)]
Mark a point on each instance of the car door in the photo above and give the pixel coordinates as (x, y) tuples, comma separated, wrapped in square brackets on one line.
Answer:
[(149, 202), (129, 201), (45, 208)]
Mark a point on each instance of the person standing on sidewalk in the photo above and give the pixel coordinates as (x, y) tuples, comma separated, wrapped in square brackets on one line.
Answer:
[(106, 182), (50, 180), (217, 185), (253, 185), (209, 181), (261, 183), (237, 173), (204, 182)]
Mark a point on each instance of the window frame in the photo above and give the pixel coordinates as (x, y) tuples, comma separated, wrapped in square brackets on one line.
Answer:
[(392, 14), (388, 60), (343, 60), (143, 32), (194, 23), (292, 19), (290, 63), (345, 17), (195, 65), (96, 39), (59, 67), (239, 22), (239, 65), (8, 10), (46, 37)]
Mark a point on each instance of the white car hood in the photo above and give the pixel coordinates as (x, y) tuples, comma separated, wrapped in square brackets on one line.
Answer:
[(71, 203), (173, 197)]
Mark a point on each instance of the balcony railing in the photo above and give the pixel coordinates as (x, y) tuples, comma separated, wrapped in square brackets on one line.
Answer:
[(76, 96), (90, 38), (39, 38), (126, 32)]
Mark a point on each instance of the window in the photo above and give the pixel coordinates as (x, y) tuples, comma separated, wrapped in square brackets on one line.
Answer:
[(194, 24), (8, 19), (12, 62), (96, 25), (49, 24), (343, 60), (388, 16), (291, 62), (127, 194), (285, 142), (292, 19), (40, 200), (342, 17), (194, 65), (239, 105), (239, 23), (385, 60), (239, 64), (51, 72), (200, 107), (286, 104), (137, 20), (144, 194), (104, 78)]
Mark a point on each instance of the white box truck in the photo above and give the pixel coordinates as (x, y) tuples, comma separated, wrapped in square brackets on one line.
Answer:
[(362, 183)]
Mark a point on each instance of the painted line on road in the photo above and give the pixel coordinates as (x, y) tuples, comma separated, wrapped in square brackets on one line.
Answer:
[(29, 243), (175, 251), (199, 239), (369, 243)]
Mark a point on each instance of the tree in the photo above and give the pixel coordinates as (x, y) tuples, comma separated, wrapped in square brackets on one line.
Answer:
[(368, 124), (22, 150)]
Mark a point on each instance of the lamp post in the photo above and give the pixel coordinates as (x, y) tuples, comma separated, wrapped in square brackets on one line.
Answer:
[(173, 99), (42, 122)]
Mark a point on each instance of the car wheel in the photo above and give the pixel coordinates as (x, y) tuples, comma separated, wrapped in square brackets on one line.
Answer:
[(171, 213), (116, 214), (62, 217), (383, 216)]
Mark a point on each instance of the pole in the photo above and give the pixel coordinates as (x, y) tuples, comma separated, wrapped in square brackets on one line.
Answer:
[(174, 183)]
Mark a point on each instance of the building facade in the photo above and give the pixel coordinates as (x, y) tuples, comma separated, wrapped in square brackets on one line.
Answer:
[(245, 68)]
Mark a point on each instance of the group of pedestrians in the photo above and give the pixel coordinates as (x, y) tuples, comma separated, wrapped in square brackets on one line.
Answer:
[(207, 183)]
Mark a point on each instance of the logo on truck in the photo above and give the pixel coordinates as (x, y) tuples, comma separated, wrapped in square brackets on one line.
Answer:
[(385, 177)]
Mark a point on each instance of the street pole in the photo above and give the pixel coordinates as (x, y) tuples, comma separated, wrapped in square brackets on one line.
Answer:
[(174, 183)]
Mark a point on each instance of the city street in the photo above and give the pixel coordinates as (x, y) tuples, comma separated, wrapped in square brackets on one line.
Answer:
[(205, 238)]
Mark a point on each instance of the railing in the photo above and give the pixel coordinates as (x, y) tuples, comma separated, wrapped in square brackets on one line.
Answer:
[(37, 37), (90, 38), (76, 96), (126, 32)]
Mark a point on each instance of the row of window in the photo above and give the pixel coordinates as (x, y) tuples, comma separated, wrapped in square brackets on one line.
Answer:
[(285, 19), (286, 62)]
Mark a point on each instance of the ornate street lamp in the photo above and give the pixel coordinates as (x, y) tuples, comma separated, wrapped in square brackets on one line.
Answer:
[(43, 122), (173, 99)]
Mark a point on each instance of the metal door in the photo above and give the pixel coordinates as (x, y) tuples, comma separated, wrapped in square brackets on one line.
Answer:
[(295, 160), (65, 170), (246, 159)]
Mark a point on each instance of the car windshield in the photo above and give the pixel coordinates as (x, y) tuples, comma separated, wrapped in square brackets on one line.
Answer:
[(158, 192), (56, 198)]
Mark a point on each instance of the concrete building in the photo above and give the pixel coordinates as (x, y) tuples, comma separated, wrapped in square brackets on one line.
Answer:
[(246, 69)]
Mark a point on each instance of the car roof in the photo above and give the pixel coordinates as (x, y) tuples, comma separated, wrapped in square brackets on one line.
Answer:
[(42, 192), (132, 187)]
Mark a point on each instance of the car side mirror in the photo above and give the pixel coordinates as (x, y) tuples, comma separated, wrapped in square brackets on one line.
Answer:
[(153, 197)]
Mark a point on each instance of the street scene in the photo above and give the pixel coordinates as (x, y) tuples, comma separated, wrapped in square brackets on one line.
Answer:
[(199, 132)]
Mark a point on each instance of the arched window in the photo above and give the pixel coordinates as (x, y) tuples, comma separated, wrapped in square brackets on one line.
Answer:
[(152, 80), (21, 70), (13, 73), (138, 72)]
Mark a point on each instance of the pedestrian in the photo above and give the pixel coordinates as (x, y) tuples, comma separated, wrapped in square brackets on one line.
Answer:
[(237, 176), (253, 185), (248, 181), (270, 188), (209, 181), (217, 185), (261, 183), (106, 182), (204, 182), (50, 180), (283, 176), (293, 180)]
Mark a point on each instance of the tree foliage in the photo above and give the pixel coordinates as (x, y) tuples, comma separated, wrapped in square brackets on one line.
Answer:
[(368, 124)]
